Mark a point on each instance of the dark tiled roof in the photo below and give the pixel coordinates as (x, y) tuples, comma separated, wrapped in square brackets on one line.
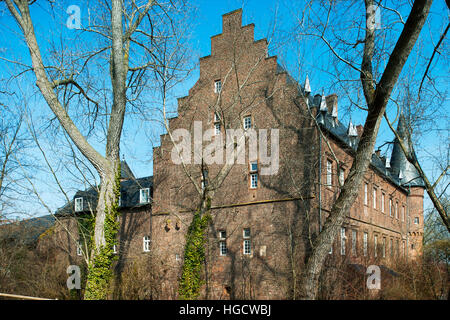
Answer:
[(129, 191), (409, 176)]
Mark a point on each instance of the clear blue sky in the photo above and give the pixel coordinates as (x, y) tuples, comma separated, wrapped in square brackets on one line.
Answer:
[(208, 22)]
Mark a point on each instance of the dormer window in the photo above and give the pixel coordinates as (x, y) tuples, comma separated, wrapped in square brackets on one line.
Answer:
[(78, 204), (217, 86), (144, 195)]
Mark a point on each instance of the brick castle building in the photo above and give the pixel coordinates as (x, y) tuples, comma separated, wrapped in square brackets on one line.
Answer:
[(268, 208)]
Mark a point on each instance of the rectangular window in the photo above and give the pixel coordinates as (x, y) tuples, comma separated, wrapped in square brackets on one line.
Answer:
[(343, 241), (217, 128), (253, 174), (374, 198), (144, 195), (391, 247), (375, 244), (366, 195), (247, 122), (397, 248), (341, 177), (396, 210), (217, 86), (383, 248), (204, 179), (78, 204), (247, 242), (146, 244), (354, 234), (416, 220), (223, 243), (383, 196), (329, 173), (390, 207), (403, 213), (365, 243)]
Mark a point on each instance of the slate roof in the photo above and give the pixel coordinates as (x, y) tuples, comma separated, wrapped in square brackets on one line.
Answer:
[(129, 193), (398, 162)]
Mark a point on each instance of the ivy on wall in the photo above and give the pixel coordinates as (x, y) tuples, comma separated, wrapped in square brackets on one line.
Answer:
[(194, 255)]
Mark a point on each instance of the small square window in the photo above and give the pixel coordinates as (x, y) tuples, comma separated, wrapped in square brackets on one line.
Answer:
[(246, 233), (144, 195), (217, 86), (247, 122), (254, 166), (222, 235), (78, 204)]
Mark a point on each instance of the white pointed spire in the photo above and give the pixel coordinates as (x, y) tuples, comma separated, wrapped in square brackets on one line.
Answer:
[(351, 130), (400, 174), (334, 112), (307, 85), (323, 103)]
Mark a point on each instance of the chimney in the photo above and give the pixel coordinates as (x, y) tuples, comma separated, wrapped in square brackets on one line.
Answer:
[(332, 105), (359, 129)]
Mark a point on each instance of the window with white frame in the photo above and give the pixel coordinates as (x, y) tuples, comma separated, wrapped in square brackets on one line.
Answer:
[(354, 234), (217, 86), (383, 199), (374, 198), (144, 195), (223, 243), (365, 244), (253, 174), (247, 241), (390, 207), (78, 204), (343, 237), (79, 248), (247, 122), (146, 244), (383, 247), (217, 129), (329, 173), (366, 195), (375, 246)]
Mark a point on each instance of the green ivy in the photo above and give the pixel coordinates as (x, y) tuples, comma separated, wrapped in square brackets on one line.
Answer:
[(194, 256), (100, 272)]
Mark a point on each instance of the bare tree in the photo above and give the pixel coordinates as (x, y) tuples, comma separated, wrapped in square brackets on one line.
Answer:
[(377, 89), (123, 37)]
